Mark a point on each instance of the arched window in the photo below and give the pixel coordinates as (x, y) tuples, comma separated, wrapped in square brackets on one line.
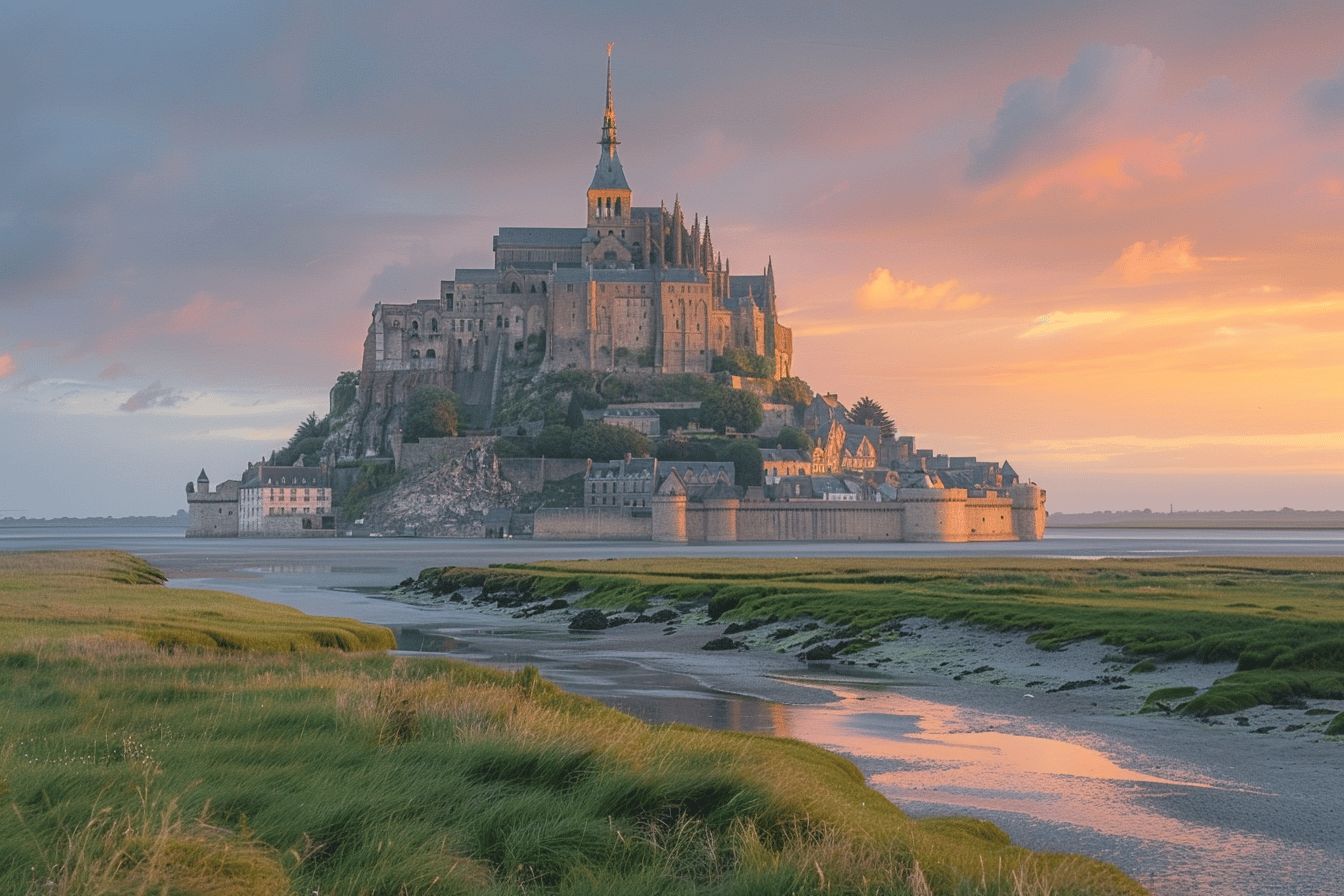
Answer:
[(415, 326), (618, 207), (543, 287), (430, 353), (434, 324), (499, 321), (415, 354), (532, 288), (513, 287)]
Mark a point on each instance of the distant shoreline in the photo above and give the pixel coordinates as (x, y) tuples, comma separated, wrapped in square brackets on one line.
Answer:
[(179, 521), (1201, 519)]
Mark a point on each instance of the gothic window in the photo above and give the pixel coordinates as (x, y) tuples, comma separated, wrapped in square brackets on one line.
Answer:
[(618, 207), (532, 288), (430, 353), (513, 287), (434, 324), (415, 326), (543, 287)]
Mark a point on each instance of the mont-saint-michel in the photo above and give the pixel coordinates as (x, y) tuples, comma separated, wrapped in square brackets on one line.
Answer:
[(610, 381)]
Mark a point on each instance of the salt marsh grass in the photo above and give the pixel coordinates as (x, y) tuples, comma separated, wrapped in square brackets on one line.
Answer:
[(1281, 620), (259, 755)]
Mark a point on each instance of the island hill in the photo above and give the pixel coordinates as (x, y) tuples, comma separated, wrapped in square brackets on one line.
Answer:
[(612, 381)]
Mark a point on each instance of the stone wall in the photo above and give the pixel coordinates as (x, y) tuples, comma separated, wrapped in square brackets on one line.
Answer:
[(412, 456), (933, 514), (529, 474), (290, 526), (588, 523), (989, 519), (819, 521)]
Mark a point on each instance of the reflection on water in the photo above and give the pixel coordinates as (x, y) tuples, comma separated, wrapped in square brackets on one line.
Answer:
[(932, 758)]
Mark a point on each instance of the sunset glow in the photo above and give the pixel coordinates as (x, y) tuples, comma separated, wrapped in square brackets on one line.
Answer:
[(1103, 242)]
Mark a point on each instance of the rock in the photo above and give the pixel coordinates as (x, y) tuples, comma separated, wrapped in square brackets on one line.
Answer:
[(721, 643), (665, 615), (819, 652), (588, 621)]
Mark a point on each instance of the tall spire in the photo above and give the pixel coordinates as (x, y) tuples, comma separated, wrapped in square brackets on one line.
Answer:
[(609, 141)]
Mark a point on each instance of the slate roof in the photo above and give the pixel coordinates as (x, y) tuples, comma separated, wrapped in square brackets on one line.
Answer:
[(784, 454), (609, 174), (287, 477), (545, 237)]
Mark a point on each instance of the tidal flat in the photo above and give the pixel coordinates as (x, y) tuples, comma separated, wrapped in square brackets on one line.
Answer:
[(193, 741)]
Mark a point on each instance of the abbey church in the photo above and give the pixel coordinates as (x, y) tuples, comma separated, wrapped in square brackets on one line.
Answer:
[(636, 288)]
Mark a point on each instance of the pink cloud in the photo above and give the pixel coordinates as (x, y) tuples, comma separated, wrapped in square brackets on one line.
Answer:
[(1144, 262), (7, 365), (883, 292), (201, 313)]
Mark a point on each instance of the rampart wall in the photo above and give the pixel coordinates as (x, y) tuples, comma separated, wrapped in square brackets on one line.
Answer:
[(819, 521), (584, 523)]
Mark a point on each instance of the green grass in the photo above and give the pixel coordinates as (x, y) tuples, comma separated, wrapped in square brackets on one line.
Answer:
[(1281, 620), (260, 756)]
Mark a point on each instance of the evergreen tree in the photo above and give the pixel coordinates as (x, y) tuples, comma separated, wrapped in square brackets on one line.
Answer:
[(867, 412)]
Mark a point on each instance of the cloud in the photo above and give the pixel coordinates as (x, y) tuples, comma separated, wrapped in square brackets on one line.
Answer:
[(1042, 120), (1059, 321), (7, 365), (155, 395), (1144, 262), (883, 292), (199, 314), (1324, 99)]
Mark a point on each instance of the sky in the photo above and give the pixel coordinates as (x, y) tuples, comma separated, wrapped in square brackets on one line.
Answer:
[(1103, 241)]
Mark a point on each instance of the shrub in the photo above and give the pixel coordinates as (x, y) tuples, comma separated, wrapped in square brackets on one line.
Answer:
[(726, 409), (431, 412)]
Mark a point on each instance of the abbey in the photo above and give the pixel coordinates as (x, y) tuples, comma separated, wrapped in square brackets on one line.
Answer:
[(634, 288)]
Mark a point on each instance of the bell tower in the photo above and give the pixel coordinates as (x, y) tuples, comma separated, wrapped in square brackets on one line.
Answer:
[(609, 193)]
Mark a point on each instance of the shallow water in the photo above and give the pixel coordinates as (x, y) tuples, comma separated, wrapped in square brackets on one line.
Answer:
[(1236, 815)]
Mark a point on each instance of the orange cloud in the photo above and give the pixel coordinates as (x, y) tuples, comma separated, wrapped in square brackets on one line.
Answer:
[(7, 365), (1145, 261), (1113, 167), (883, 292)]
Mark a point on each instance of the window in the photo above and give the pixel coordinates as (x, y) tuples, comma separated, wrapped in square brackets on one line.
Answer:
[(431, 354), (434, 324)]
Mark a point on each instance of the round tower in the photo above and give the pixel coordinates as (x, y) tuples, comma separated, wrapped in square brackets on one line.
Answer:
[(720, 519), (1028, 511), (933, 514), (669, 518)]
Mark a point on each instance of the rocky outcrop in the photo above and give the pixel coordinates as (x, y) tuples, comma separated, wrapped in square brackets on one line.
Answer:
[(445, 499)]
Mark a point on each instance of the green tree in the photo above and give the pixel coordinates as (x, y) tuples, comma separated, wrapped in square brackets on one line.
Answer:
[(727, 408), (343, 393), (867, 412), (602, 442), (431, 412), (554, 441), (793, 390), (743, 363), (793, 437), (745, 456)]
